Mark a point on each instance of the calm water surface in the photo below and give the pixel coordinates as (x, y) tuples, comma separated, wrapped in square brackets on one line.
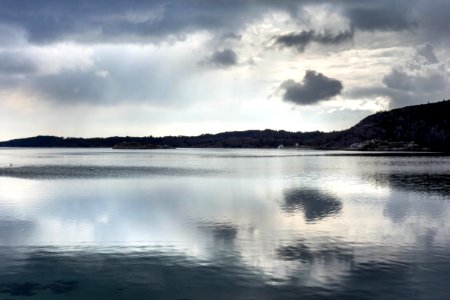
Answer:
[(223, 224)]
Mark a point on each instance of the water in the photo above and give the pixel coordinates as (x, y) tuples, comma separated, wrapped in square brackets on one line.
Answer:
[(223, 224)]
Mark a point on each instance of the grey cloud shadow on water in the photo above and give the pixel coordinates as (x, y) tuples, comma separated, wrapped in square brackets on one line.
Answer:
[(366, 278), (402, 208), (141, 274), (300, 251), (224, 232), (428, 184), (86, 171), (425, 187), (146, 274), (31, 288), (12, 231), (371, 280), (314, 204), (404, 277), (223, 236)]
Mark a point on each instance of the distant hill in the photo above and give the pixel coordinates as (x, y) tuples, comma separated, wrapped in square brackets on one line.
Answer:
[(419, 127), (427, 125)]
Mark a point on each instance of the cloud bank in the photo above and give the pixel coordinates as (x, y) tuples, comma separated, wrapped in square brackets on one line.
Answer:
[(186, 62), (50, 21)]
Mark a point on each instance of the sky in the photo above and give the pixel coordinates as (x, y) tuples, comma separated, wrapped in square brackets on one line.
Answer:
[(185, 67)]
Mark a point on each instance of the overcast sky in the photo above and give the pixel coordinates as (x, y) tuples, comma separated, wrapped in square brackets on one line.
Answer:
[(101, 68)]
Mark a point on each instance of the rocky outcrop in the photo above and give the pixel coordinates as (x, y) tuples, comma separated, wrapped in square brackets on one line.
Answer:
[(426, 125), (380, 145)]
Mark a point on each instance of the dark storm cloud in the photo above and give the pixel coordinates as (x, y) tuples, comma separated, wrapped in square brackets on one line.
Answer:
[(85, 20), (426, 82), (302, 39), (314, 88), (222, 58), (404, 88), (427, 51), (14, 62), (50, 21), (433, 18), (384, 18), (398, 80)]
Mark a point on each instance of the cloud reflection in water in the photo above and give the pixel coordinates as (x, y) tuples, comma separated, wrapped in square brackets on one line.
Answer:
[(249, 232), (316, 205)]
